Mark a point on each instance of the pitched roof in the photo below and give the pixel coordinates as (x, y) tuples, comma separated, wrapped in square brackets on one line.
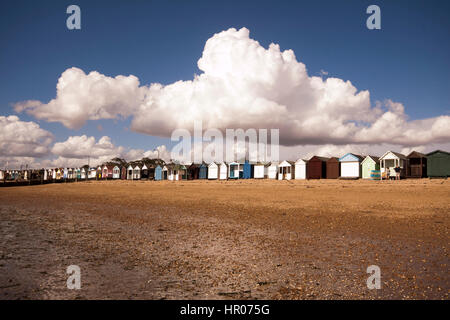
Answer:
[(397, 154), (360, 158), (436, 151), (416, 154), (374, 158), (320, 158)]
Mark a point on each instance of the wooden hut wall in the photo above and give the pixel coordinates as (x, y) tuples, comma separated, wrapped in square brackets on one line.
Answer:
[(317, 168), (417, 165), (438, 164), (193, 172), (333, 168)]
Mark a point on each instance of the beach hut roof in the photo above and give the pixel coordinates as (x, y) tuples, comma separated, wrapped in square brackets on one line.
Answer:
[(415, 154), (319, 158), (373, 158), (286, 163), (351, 157), (398, 155), (438, 151), (301, 161)]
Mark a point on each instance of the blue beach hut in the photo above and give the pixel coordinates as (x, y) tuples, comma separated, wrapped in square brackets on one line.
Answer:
[(203, 173), (248, 170), (158, 173)]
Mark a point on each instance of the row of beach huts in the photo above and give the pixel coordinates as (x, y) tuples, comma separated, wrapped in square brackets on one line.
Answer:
[(350, 166)]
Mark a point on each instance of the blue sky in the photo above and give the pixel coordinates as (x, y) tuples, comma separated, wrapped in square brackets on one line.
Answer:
[(160, 41)]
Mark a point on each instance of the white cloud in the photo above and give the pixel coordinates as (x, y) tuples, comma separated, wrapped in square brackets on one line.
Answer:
[(76, 150), (20, 138), (242, 85), (81, 97)]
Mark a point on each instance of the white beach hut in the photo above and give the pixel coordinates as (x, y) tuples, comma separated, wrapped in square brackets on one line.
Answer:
[(83, 173), (116, 172), (389, 161), (259, 170), (2, 175), (213, 171), (286, 170), (223, 171), (300, 169), (350, 165), (272, 171), (130, 172), (137, 173), (92, 173)]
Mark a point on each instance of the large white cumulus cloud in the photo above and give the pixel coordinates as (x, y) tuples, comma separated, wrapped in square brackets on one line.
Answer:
[(21, 138), (242, 85), (81, 97)]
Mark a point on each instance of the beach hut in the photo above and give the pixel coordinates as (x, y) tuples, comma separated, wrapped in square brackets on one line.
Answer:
[(158, 173), (69, 173), (247, 170), (233, 170), (123, 172), (130, 172), (438, 164), (172, 171), (350, 166), (182, 172), (78, 173), (65, 173), (369, 164), (286, 170), (2, 175), (104, 172), (389, 161), (193, 171), (107, 172), (144, 172), (317, 168), (203, 171), (223, 171), (116, 172), (92, 173), (165, 172), (83, 173), (213, 171), (417, 165), (333, 168), (259, 170), (99, 172), (148, 172), (272, 170), (137, 172), (300, 169)]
